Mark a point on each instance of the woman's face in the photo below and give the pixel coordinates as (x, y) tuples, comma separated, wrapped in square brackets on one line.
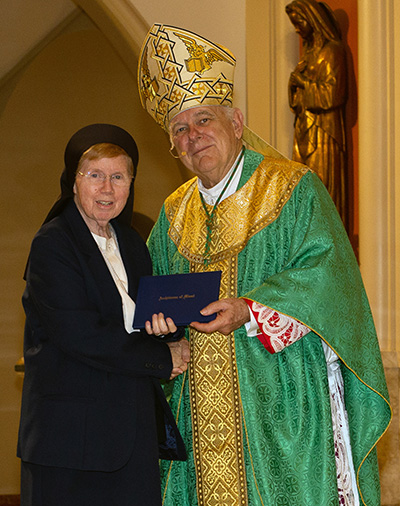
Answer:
[(301, 25), (99, 201)]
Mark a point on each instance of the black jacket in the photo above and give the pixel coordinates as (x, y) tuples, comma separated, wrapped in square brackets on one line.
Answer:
[(85, 376)]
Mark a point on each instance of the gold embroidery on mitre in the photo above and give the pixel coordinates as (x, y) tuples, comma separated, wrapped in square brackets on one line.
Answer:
[(149, 87), (201, 60), (237, 218)]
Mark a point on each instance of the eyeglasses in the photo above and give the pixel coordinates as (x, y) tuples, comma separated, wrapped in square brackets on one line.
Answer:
[(97, 178)]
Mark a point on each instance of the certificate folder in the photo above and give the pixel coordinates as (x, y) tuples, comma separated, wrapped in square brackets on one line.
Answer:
[(178, 296)]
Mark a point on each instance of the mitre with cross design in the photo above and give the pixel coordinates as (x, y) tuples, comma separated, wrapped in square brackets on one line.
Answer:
[(179, 70)]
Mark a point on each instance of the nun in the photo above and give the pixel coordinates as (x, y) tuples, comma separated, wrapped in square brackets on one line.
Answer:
[(94, 418)]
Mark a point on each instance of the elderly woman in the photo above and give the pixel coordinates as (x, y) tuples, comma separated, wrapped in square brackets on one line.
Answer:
[(94, 419)]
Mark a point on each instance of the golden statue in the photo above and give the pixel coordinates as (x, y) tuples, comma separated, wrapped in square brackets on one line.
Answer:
[(317, 96)]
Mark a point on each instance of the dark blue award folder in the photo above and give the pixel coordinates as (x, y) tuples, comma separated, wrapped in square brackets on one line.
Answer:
[(178, 296)]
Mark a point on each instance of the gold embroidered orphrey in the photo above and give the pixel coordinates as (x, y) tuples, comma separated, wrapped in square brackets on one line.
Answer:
[(213, 375)]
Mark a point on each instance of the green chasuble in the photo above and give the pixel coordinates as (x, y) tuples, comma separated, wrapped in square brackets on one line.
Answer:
[(257, 426)]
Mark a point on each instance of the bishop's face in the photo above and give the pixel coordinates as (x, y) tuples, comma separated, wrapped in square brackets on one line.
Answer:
[(208, 140)]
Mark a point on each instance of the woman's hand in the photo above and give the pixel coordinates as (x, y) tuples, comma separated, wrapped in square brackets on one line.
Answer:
[(159, 325)]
